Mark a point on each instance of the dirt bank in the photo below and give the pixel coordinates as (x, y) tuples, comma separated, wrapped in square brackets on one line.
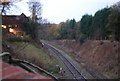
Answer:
[(102, 55)]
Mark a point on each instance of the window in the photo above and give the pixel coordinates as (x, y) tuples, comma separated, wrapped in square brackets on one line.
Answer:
[(9, 25), (3, 26)]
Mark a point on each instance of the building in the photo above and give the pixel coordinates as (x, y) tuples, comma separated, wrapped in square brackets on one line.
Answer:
[(13, 23)]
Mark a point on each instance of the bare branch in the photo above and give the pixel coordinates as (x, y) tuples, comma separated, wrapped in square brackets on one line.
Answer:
[(35, 9)]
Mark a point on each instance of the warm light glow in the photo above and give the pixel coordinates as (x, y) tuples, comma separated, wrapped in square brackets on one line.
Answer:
[(12, 31), (15, 25), (3, 26), (9, 25)]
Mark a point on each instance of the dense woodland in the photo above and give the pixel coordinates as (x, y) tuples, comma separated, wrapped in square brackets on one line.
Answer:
[(103, 25)]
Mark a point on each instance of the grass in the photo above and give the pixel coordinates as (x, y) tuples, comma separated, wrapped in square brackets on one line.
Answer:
[(85, 67), (39, 56), (81, 68), (110, 74), (44, 58)]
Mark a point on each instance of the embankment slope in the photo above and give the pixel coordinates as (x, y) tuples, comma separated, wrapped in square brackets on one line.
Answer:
[(100, 54)]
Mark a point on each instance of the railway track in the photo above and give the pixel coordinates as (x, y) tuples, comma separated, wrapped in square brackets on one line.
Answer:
[(71, 67), (76, 74)]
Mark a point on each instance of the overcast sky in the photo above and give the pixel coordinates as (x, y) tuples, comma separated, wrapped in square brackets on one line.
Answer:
[(57, 11)]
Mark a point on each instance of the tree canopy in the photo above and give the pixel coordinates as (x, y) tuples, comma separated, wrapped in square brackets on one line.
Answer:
[(113, 24), (86, 25), (104, 25)]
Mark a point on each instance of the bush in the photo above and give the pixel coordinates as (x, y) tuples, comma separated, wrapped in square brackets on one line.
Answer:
[(17, 39), (82, 38)]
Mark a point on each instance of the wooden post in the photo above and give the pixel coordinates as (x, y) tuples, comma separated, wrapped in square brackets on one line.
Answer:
[(0, 34), (0, 43)]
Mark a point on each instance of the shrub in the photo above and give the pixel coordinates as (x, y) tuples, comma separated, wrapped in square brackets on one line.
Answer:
[(82, 38), (17, 39)]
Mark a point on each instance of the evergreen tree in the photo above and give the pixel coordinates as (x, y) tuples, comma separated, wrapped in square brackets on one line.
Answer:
[(85, 25), (99, 22), (113, 25)]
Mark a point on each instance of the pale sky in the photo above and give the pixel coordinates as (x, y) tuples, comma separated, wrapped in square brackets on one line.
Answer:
[(57, 11)]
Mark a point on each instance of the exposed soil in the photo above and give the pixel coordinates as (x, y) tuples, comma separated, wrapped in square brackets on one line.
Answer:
[(102, 54)]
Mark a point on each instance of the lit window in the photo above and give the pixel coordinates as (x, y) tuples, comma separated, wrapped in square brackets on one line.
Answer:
[(3, 26), (9, 25), (11, 30), (16, 25)]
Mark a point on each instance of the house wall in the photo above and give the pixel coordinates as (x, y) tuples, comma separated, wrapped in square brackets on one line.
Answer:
[(14, 22)]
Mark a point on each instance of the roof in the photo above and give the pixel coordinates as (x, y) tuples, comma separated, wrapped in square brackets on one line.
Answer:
[(9, 71), (13, 19)]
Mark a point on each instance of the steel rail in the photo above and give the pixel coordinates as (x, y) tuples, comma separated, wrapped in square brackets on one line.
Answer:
[(68, 67), (60, 54)]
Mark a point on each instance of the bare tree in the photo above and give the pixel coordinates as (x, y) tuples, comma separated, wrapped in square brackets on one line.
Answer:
[(5, 5), (35, 9)]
